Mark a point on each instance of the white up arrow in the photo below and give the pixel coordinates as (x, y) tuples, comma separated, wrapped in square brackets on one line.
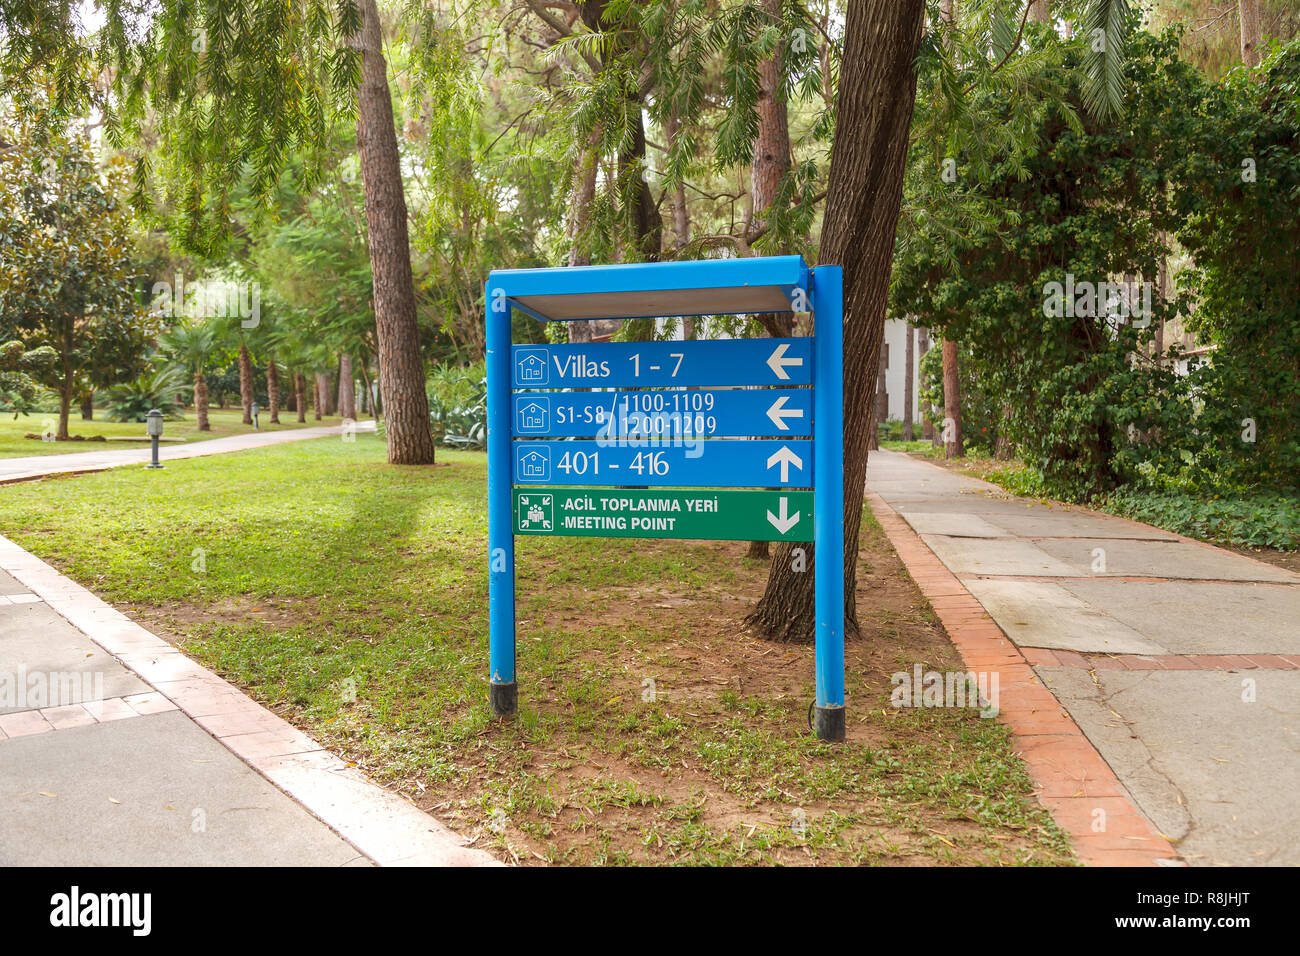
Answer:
[(786, 521), (786, 458), (777, 361), (779, 413)]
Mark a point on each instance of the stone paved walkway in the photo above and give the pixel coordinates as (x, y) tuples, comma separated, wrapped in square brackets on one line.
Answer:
[(117, 750), (38, 466), (1178, 661)]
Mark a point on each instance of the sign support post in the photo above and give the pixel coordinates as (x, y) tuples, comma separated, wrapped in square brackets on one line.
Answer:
[(828, 502), (503, 692)]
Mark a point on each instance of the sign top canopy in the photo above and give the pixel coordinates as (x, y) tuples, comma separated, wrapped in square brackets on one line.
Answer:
[(652, 290)]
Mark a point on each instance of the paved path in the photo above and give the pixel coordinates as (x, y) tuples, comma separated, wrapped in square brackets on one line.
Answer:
[(1179, 661), (116, 749), (37, 466)]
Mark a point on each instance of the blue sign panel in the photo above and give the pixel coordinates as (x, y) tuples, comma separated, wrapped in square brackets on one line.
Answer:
[(719, 462), (664, 435), (663, 364), (708, 413)]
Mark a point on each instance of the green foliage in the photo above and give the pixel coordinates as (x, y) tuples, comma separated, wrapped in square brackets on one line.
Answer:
[(132, 401), (190, 346), (1238, 201), (1106, 27), (18, 388), (456, 404), (67, 263), (981, 416), (1073, 204), (1259, 520)]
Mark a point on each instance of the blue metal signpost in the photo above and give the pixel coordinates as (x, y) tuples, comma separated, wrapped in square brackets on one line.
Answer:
[(657, 422)]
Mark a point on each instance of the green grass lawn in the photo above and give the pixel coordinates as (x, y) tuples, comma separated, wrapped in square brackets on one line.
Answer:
[(223, 421), (350, 596), (918, 446)]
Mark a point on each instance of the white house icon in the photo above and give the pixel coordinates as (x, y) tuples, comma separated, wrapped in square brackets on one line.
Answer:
[(534, 466), (532, 417), (530, 367)]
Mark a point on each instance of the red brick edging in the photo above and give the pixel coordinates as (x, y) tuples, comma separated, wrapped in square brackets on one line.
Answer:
[(1071, 779)]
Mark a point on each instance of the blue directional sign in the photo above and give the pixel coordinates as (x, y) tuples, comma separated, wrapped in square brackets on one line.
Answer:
[(663, 364), (692, 439), (661, 413), (714, 462)]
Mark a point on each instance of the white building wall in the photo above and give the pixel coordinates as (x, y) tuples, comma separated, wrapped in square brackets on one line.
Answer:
[(896, 370)]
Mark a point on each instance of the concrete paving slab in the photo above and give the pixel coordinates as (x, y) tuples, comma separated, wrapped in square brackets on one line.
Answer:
[(38, 645), (1233, 764), (1162, 559), (1218, 774), (184, 799), (1066, 524), (1203, 617), (971, 556), (978, 503), (954, 525), (1042, 614), (9, 586), (1123, 750), (376, 825)]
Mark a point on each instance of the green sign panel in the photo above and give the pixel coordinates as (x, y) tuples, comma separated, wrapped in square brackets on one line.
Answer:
[(785, 515)]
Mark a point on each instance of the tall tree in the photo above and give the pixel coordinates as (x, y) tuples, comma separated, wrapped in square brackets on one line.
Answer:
[(347, 388), (952, 444), (768, 169), (66, 264), (192, 346), (410, 440), (909, 377), (1248, 14), (952, 438), (876, 96)]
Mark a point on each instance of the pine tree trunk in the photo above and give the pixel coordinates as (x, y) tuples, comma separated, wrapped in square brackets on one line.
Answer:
[(322, 392), (300, 395), (347, 388), (1038, 11), (88, 405), (273, 387), (1002, 451), (246, 382), (65, 401), (201, 400), (909, 378), (877, 93), (1248, 12), (769, 166), (401, 365), (372, 400), (952, 438), (681, 213), (584, 194), (927, 416)]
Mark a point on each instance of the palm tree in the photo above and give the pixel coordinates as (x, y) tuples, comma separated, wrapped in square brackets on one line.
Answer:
[(190, 346)]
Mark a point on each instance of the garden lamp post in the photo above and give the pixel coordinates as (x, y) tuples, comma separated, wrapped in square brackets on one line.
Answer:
[(255, 411), (153, 428)]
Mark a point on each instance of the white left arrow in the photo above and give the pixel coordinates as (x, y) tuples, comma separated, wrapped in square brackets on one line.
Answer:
[(785, 457), (777, 361), (779, 413), (785, 521)]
